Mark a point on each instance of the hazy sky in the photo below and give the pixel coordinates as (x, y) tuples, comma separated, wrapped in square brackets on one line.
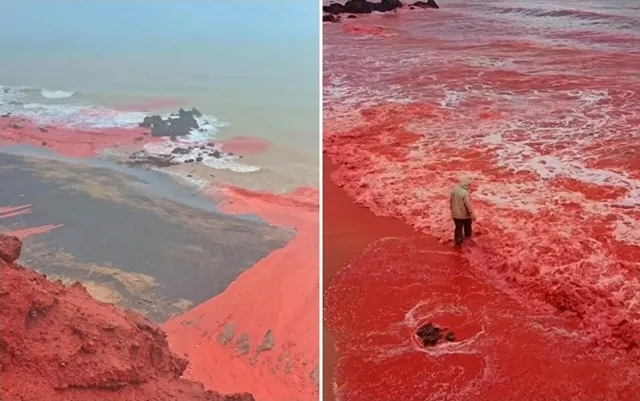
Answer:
[(78, 23)]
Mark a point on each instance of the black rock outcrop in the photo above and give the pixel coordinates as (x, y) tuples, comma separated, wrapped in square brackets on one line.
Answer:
[(175, 125), (362, 7)]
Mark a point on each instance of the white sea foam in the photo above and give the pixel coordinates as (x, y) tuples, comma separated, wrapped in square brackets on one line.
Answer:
[(57, 94), (223, 161), (89, 116)]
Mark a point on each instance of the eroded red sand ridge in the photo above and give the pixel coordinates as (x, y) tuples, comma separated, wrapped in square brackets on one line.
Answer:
[(59, 344), (264, 326)]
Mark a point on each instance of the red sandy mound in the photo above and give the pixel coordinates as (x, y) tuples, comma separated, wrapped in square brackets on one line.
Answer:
[(264, 327), (59, 344)]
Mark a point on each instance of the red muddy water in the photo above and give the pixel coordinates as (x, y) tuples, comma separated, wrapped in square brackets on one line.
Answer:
[(69, 141), (539, 103)]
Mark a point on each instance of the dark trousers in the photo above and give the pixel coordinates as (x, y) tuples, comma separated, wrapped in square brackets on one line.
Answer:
[(463, 230)]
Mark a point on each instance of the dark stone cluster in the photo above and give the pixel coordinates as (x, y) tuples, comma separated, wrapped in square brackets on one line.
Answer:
[(175, 125), (351, 7), (431, 335)]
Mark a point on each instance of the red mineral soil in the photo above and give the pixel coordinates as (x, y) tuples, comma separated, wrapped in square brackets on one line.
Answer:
[(59, 344), (383, 280), (264, 327), (70, 142)]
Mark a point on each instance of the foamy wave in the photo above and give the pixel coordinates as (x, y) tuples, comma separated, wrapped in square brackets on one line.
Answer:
[(58, 94), (88, 116), (221, 160)]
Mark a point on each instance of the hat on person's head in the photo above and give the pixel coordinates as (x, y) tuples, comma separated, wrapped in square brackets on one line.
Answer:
[(465, 181)]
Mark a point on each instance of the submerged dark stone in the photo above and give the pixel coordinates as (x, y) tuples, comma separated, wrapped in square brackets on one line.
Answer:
[(432, 335), (351, 16), (330, 18)]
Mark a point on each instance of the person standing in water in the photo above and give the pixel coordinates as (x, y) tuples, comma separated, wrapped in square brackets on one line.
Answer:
[(462, 210)]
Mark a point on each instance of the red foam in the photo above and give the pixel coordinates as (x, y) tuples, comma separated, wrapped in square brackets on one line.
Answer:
[(364, 30), (384, 270), (279, 293)]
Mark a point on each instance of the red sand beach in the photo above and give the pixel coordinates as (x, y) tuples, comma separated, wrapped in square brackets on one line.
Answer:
[(264, 326), (537, 102)]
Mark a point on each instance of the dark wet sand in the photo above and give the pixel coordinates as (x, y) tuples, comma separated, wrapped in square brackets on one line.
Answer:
[(127, 244)]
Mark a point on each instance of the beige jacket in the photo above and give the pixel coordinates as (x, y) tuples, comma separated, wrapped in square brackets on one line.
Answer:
[(461, 201)]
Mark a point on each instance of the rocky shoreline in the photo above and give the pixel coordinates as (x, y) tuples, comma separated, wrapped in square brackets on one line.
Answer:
[(334, 11)]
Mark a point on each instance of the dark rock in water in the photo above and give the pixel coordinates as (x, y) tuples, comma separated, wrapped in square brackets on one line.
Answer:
[(43, 143), (7, 115), (176, 125), (412, 8), (432, 335), (160, 128), (426, 4), (142, 157), (15, 126), (6, 90), (362, 7), (216, 154), (138, 138), (388, 5), (199, 159), (189, 161), (330, 18), (351, 16), (181, 151), (147, 122), (41, 129)]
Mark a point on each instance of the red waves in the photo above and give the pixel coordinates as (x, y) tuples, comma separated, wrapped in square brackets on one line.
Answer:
[(548, 140)]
